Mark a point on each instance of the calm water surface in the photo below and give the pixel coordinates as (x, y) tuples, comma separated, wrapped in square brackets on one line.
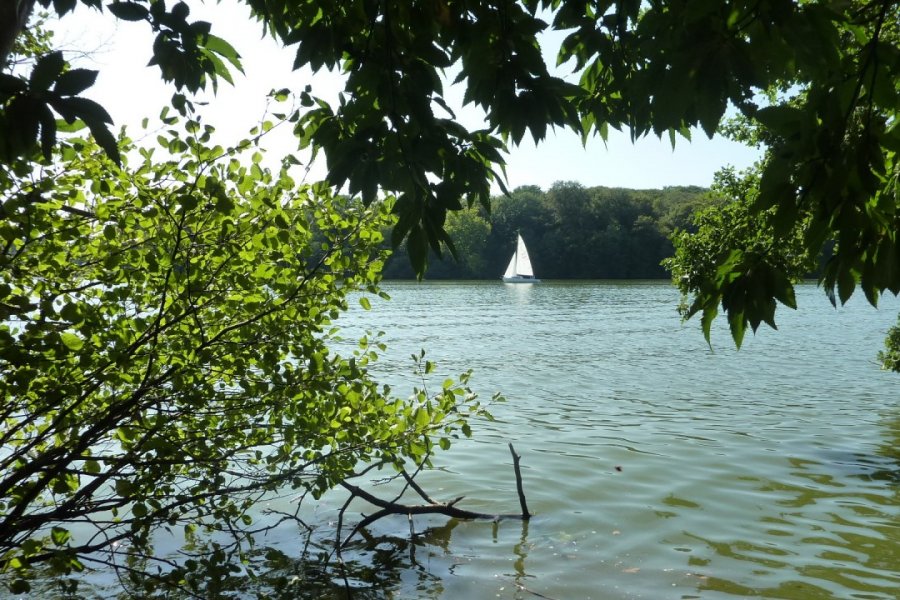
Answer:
[(770, 472)]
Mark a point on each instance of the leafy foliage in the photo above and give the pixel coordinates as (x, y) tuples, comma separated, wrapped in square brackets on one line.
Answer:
[(730, 237), (890, 356), (820, 77), (164, 339), (31, 107), (469, 233), (828, 185)]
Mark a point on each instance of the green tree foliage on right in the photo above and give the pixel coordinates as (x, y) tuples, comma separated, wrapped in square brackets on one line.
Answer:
[(730, 235), (827, 188), (890, 356)]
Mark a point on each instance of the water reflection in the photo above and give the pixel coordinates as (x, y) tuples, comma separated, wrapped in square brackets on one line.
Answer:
[(744, 475), (889, 469), (837, 530)]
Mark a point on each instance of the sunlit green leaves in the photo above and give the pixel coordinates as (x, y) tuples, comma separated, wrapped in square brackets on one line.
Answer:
[(168, 320), (171, 321), (890, 356), (72, 341), (735, 261)]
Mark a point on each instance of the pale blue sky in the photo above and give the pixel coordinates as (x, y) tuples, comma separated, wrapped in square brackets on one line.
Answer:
[(132, 91)]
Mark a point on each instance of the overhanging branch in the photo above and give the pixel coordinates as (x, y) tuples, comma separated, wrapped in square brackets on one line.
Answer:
[(431, 507)]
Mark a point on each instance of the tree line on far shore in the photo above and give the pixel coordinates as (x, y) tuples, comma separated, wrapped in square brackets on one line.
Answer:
[(572, 232)]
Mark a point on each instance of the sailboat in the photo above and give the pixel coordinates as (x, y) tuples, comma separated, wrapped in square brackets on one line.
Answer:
[(519, 269)]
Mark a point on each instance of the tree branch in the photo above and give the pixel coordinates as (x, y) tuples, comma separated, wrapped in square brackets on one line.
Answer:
[(448, 509), (525, 514), (13, 18)]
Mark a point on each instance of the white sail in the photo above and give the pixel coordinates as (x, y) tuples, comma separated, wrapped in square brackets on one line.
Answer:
[(519, 269), (523, 262), (511, 268)]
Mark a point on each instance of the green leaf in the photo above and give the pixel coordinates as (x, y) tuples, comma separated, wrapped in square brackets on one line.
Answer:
[(48, 131), (74, 82), (224, 49), (65, 6), (106, 141), (710, 312), (781, 118), (60, 536), (846, 284), (82, 108), (72, 341), (128, 11), (124, 488), (46, 71), (737, 322), (417, 246), (225, 204), (10, 84)]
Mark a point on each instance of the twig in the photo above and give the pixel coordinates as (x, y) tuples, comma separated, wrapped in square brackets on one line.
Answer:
[(525, 514), (412, 540), (415, 486), (448, 509), (522, 588)]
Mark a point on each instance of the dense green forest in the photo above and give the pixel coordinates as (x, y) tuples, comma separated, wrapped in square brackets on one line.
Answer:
[(572, 232)]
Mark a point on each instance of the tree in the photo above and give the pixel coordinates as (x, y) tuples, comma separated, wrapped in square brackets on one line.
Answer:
[(730, 236), (572, 222), (469, 233), (827, 187), (165, 342), (662, 68), (890, 356), (821, 77)]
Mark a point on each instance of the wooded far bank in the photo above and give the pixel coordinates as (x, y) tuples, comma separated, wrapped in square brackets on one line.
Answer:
[(572, 232)]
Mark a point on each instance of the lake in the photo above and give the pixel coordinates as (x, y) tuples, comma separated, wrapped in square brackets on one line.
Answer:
[(657, 467)]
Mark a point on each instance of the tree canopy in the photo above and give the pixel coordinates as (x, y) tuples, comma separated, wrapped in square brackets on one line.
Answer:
[(167, 349), (820, 78)]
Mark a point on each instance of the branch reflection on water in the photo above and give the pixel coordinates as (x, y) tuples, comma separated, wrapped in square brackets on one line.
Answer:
[(838, 524)]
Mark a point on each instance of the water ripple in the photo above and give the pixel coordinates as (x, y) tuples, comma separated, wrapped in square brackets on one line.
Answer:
[(659, 468)]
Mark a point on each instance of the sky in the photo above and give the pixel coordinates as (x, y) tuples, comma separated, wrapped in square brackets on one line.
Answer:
[(131, 91)]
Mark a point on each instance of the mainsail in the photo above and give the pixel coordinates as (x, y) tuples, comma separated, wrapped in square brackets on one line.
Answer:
[(520, 264)]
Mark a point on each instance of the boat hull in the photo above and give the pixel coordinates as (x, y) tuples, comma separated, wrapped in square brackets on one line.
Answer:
[(517, 279)]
